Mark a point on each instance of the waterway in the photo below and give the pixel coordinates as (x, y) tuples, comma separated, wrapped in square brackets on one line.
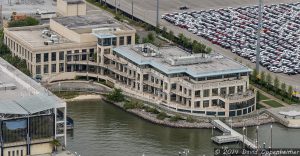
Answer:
[(102, 129)]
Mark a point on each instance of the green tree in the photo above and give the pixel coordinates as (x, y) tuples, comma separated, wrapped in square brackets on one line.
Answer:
[(171, 35), (164, 32), (276, 84), (208, 50), (269, 80), (262, 77), (28, 21), (290, 91), (150, 37), (145, 40), (283, 88), (137, 38), (254, 75), (116, 95)]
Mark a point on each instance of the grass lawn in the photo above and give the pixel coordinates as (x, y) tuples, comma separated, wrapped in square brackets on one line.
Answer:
[(259, 106), (273, 103), (262, 97), (67, 95)]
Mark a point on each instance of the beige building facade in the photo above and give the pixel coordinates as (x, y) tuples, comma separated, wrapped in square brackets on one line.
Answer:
[(201, 85)]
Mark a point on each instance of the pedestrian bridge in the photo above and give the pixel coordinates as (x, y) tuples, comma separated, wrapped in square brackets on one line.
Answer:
[(230, 135)]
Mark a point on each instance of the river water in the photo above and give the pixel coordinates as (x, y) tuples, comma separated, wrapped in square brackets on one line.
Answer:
[(102, 129)]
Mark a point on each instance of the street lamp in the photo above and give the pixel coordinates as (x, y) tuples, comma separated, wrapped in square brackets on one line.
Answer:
[(256, 136), (212, 130), (259, 34), (244, 137), (271, 135)]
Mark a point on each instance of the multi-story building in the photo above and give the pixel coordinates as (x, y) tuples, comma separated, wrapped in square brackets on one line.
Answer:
[(31, 116), (200, 84)]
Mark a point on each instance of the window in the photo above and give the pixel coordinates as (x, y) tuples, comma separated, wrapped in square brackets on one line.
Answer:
[(46, 68), (215, 92), (53, 56), (214, 102), (206, 93), (83, 56), (197, 104), (223, 91), (231, 90), (205, 103), (53, 68), (69, 56), (240, 88), (38, 58), (46, 57), (106, 51), (9, 153), (61, 67), (76, 57), (121, 41), (38, 69), (61, 56), (197, 93), (128, 39), (114, 41)]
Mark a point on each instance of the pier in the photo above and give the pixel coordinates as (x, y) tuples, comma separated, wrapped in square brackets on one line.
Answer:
[(230, 135)]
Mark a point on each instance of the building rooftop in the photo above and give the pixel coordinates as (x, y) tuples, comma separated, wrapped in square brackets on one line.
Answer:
[(26, 96), (172, 60), (85, 24), (33, 35), (74, 1)]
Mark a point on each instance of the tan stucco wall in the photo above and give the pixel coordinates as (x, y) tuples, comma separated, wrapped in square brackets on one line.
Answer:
[(15, 149), (65, 9), (41, 148)]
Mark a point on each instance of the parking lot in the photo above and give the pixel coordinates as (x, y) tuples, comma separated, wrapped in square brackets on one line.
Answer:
[(145, 10), (236, 29)]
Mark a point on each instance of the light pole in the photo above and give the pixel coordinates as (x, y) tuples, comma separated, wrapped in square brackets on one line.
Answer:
[(132, 9), (259, 34), (157, 13), (271, 136), (244, 137), (116, 8), (212, 130), (257, 137)]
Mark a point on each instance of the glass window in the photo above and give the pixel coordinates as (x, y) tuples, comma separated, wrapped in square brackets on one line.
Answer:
[(61, 67), (223, 91), (121, 41), (114, 41), (197, 93), (206, 93), (46, 68), (232, 113), (38, 69), (53, 68), (46, 57), (232, 90), (205, 103), (61, 55), (215, 92), (240, 88), (69, 56), (38, 58), (214, 102), (53, 56), (129, 40)]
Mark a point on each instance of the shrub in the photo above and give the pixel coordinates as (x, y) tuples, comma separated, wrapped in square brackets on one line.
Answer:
[(116, 95), (152, 110), (161, 116), (133, 104), (190, 119), (175, 118), (28, 21)]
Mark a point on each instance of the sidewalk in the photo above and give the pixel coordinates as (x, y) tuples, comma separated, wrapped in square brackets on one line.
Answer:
[(271, 98)]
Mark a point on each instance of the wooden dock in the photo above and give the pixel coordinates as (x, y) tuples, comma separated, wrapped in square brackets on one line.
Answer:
[(230, 135)]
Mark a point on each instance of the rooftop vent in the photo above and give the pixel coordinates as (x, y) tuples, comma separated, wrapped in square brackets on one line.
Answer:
[(188, 60), (147, 50)]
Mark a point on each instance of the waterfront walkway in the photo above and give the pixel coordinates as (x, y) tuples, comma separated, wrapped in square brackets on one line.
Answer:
[(230, 135)]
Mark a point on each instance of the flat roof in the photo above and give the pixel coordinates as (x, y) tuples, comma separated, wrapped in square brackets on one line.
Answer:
[(29, 97), (219, 65), (33, 35), (74, 1), (85, 24)]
